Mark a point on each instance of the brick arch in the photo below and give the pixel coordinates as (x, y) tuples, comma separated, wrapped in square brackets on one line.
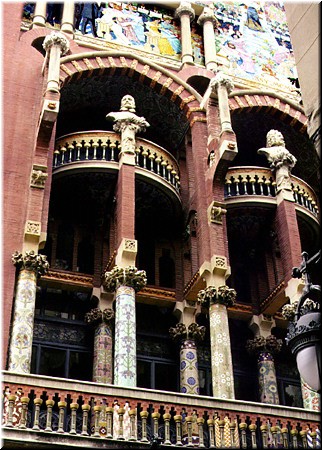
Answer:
[(164, 82), (271, 103)]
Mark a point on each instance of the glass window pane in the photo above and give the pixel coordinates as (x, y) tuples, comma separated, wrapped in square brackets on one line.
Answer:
[(80, 366), (166, 377), (144, 374), (52, 362)]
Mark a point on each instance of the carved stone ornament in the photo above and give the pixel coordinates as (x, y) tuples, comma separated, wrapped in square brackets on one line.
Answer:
[(221, 79), (33, 228), (38, 178), (56, 38), (216, 213), (31, 261), (261, 344), (288, 311), (185, 8), (222, 295), (181, 332), (130, 276), (208, 14), (276, 152), (96, 316)]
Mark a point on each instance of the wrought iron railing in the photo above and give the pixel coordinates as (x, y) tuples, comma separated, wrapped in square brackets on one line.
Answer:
[(105, 146), (250, 181), (78, 409)]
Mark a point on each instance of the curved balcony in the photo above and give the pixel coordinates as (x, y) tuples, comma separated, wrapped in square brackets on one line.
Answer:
[(259, 181), (104, 147)]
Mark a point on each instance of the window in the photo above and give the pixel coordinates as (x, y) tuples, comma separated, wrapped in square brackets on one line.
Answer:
[(161, 375), (62, 342)]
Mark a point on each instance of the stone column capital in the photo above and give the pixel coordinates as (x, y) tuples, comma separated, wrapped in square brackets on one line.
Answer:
[(222, 295), (31, 261), (96, 316), (129, 276), (193, 331), (261, 344), (56, 38), (208, 14), (220, 79), (185, 8)]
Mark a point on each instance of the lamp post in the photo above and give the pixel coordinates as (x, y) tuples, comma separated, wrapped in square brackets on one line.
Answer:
[(303, 335)]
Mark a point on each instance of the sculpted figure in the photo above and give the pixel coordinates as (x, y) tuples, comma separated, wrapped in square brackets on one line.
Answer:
[(127, 123), (280, 159)]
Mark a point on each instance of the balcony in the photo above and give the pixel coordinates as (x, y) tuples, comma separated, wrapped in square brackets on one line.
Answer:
[(40, 409), (101, 149), (257, 184)]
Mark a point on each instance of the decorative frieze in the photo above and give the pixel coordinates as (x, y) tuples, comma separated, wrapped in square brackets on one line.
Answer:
[(222, 295), (128, 276), (31, 261)]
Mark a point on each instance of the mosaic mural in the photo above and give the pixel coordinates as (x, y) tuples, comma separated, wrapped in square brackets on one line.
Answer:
[(252, 39)]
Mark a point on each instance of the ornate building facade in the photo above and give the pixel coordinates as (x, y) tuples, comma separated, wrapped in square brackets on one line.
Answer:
[(165, 189)]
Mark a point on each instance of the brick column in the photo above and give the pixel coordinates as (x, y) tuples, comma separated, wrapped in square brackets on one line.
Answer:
[(264, 348), (217, 300), (30, 265), (208, 21), (186, 14), (188, 337), (281, 163), (125, 282), (103, 344)]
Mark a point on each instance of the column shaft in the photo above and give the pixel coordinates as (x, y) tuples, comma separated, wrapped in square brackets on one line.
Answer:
[(23, 323), (103, 354), (67, 25), (209, 45), (53, 69), (125, 338), (224, 112), (189, 376), (186, 53), (221, 359), (267, 379), (40, 14)]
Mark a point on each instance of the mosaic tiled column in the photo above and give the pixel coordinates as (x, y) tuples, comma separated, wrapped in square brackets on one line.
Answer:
[(125, 282), (264, 348), (31, 266), (218, 299), (189, 375), (103, 344)]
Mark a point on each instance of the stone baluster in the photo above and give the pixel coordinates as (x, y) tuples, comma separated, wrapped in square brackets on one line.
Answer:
[(221, 424), (211, 429), (67, 22), (303, 435), (144, 416), (56, 45), (132, 414), (155, 416), (252, 427), (208, 21), (97, 411), (85, 408), (189, 420), (11, 402), (200, 422), (313, 435), (178, 421), (232, 428), (221, 86), (274, 431), (264, 348), (61, 417), (186, 14), (294, 434), (37, 403), (23, 418), (264, 431), (73, 413), (103, 344), (121, 412), (284, 432), (109, 422), (217, 300), (189, 376), (125, 282), (166, 418), (31, 266), (49, 405), (243, 427)]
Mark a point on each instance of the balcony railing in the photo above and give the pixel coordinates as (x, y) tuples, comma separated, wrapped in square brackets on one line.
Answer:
[(87, 147), (86, 411), (250, 181)]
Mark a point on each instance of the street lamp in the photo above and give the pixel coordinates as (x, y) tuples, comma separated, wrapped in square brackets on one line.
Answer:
[(303, 335)]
